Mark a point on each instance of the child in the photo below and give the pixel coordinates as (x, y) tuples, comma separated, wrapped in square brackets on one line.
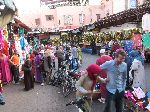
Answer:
[(1, 89)]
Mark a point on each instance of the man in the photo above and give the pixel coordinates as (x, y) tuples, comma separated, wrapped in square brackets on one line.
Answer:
[(15, 61), (60, 55), (117, 75), (74, 53)]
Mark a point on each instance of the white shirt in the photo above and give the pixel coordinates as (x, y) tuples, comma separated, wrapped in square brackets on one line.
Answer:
[(146, 22)]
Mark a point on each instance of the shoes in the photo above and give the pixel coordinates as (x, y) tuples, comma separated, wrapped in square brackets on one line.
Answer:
[(2, 103), (102, 100), (16, 83), (42, 84)]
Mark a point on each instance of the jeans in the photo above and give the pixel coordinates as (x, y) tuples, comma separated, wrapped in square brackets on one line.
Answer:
[(15, 73), (118, 98), (1, 98)]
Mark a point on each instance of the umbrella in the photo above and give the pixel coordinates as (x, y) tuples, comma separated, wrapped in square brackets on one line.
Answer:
[(7, 11)]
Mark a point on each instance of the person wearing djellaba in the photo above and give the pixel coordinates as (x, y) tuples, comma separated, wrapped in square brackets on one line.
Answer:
[(28, 77)]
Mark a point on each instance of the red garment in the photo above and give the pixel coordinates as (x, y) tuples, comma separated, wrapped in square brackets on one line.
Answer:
[(5, 49), (103, 59), (115, 47), (93, 69), (103, 74), (32, 56)]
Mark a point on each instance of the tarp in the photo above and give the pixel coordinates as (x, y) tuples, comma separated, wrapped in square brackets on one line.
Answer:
[(7, 13)]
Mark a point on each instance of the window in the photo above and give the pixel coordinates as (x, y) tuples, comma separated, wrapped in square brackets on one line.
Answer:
[(49, 17), (68, 19), (98, 17), (37, 21), (81, 18)]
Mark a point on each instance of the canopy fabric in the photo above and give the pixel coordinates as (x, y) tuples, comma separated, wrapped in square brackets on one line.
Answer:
[(7, 13)]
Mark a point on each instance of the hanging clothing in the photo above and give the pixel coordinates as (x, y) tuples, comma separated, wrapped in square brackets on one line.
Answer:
[(128, 45), (38, 76), (137, 40), (146, 22), (1, 40), (22, 42), (6, 48), (146, 40), (5, 69), (138, 74)]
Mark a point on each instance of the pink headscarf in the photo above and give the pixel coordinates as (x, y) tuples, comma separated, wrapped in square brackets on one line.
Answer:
[(93, 69)]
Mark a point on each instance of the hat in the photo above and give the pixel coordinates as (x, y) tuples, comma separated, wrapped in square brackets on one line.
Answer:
[(102, 51)]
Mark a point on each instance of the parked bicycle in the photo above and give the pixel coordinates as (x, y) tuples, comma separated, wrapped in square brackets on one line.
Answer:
[(79, 103)]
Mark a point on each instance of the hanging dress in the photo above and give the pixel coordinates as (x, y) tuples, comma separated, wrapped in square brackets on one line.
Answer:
[(5, 69)]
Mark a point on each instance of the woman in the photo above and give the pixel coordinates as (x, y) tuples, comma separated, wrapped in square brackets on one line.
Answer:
[(86, 84), (4, 66), (38, 76), (28, 77)]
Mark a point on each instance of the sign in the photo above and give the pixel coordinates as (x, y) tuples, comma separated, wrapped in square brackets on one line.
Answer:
[(132, 4), (95, 2)]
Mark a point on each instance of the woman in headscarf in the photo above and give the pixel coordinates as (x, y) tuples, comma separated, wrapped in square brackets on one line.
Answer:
[(86, 84), (4, 68), (137, 73), (38, 76), (28, 77), (103, 74)]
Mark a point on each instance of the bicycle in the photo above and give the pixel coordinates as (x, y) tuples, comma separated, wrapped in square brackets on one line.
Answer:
[(79, 103), (59, 75), (68, 84)]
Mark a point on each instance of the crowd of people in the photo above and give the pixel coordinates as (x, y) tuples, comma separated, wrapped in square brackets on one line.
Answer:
[(115, 69), (38, 65)]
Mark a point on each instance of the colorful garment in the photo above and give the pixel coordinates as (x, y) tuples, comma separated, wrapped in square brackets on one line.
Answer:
[(38, 76), (5, 70), (138, 76)]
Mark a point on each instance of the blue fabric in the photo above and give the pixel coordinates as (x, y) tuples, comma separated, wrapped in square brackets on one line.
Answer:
[(1, 98), (22, 42), (148, 94), (135, 55), (128, 45), (117, 76), (87, 50)]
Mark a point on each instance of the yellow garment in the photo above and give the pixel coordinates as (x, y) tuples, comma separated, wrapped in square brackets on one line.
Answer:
[(79, 53)]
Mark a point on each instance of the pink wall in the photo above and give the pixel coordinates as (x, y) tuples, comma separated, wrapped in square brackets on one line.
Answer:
[(111, 7)]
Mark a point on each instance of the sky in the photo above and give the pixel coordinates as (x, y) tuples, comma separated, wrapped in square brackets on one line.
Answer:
[(27, 6)]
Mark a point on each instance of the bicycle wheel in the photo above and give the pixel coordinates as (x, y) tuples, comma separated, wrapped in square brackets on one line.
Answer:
[(56, 78), (66, 87), (49, 77)]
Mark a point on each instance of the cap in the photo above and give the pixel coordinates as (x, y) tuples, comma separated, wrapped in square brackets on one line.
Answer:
[(102, 51)]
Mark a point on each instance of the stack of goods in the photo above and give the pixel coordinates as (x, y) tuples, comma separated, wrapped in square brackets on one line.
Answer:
[(137, 100)]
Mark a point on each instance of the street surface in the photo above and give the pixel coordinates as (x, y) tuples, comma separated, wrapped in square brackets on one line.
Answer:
[(48, 98)]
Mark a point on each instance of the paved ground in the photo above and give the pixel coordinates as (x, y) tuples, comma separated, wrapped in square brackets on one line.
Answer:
[(47, 98)]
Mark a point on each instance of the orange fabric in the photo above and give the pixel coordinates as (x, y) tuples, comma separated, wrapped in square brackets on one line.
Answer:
[(15, 60)]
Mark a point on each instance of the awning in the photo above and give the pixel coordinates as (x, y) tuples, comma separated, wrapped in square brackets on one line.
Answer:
[(21, 24)]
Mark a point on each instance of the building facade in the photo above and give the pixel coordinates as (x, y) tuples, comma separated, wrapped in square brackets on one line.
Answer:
[(51, 15)]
